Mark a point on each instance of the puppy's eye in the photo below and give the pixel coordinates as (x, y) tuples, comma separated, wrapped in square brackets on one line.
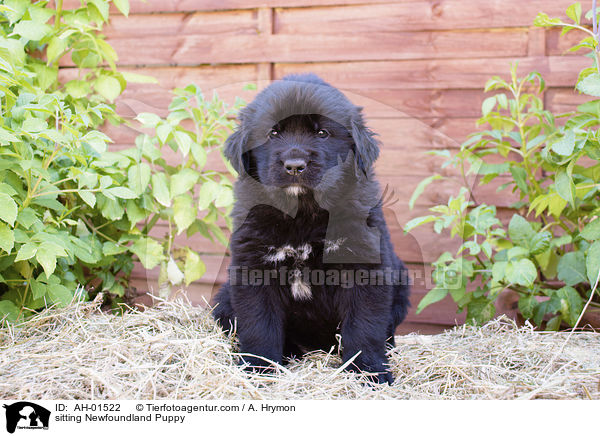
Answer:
[(322, 133), (274, 133)]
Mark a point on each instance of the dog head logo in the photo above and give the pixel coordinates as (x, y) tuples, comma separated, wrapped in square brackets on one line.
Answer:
[(26, 415)]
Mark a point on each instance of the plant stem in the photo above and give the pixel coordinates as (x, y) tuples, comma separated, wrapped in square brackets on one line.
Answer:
[(59, 5), (95, 230)]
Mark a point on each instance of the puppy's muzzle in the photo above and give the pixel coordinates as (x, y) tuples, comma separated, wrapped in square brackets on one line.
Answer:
[(294, 166)]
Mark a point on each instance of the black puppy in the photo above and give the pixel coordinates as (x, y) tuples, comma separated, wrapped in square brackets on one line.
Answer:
[(311, 253)]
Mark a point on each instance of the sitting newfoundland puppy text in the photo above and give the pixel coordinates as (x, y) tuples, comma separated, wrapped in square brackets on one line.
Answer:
[(311, 256)]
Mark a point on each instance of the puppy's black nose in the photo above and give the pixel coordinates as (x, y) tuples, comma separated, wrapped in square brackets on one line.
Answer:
[(294, 166)]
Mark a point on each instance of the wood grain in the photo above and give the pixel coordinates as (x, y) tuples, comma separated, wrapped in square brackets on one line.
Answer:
[(437, 74), (414, 15), (196, 49)]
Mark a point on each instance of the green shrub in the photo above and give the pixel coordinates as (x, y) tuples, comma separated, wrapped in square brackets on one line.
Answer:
[(550, 251), (72, 213), (195, 127)]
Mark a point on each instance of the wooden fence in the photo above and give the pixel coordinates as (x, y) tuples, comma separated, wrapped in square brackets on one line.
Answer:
[(418, 68)]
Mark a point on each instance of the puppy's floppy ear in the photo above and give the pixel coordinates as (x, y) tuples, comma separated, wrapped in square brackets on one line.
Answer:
[(234, 148), (367, 146)]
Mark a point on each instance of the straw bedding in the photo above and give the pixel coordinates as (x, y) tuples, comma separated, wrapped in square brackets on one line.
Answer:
[(174, 350)]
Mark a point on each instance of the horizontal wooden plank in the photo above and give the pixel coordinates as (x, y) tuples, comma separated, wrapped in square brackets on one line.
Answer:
[(561, 100), (559, 45), (413, 15), (147, 49), (558, 71), (151, 6), (216, 24), (227, 81), (378, 103)]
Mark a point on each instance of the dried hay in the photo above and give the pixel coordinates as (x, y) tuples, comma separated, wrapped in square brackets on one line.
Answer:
[(174, 350)]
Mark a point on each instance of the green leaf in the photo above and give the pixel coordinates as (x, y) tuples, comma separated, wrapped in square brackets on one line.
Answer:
[(138, 78), (139, 178), (571, 268), (574, 12), (33, 124), (160, 189), (97, 140), (565, 145), (218, 233), (540, 242), (487, 105), (556, 204), (433, 296), (520, 231), (59, 294), (527, 304), (109, 248), (571, 304), (148, 119), (9, 311), (38, 289), (480, 310), (102, 7), (77, 88), (194, 267), (148, 251), (174, 274), (122, 192), (553, 323), (108, 87), (420, 188), (199, 154), (88, 197), (591, 231), (135, 213), (183, 182), (27, 251), (31, 30), (590, 85), (7, 238), (184, 212), (47, 258), (549, 306), (208, 193), (543, 20), (499, 270), (564, 186), (55, 49), (163, 131), (416, 222), (593, 263), (522, 272), (184, 142), (122, 6), (520, 176), (225, 197)]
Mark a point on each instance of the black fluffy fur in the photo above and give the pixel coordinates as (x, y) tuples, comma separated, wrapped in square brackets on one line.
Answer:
[(339, 200)]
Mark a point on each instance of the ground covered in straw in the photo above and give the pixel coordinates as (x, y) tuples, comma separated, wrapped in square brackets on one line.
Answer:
[(174, 350)]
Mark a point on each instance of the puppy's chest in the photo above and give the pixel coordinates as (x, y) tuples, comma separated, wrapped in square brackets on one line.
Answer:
[(297, 264)]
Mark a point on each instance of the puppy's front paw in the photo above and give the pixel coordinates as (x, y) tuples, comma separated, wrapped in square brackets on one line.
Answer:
[(376, 373), (382, 377)]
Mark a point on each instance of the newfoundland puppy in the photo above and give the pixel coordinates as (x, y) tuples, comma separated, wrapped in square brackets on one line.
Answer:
[(311, 256)]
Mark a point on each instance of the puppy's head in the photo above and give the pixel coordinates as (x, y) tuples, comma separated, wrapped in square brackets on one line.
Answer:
[(297, 133), (299, 151)]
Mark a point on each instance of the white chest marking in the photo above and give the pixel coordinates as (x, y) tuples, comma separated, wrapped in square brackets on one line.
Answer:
[(300, 289), (332, 246)]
